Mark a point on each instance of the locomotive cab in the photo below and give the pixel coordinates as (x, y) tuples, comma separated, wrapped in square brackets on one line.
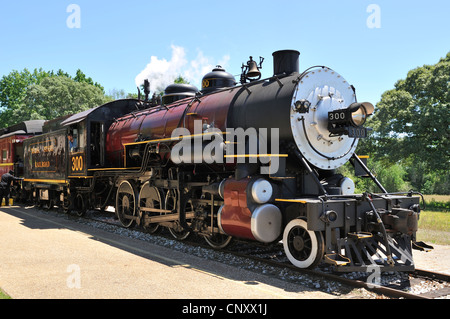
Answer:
[(86, 144), (88, 132)]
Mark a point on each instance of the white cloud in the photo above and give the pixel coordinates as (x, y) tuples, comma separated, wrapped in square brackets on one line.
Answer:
[(161, 72)]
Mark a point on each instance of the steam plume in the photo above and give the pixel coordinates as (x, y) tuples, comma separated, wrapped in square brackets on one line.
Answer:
[(161, 72)]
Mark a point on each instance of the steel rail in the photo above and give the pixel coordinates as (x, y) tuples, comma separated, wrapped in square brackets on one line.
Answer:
[(387, 291)]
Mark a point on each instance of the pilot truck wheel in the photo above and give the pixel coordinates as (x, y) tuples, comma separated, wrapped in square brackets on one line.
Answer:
[(304, 248)]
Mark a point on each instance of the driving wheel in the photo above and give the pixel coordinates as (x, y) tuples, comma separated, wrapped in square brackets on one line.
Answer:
[(176, 230), (126, 204), (149, 197)]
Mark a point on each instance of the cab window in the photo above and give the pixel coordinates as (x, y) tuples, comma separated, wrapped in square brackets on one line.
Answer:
[(72, 138), (76, 138)]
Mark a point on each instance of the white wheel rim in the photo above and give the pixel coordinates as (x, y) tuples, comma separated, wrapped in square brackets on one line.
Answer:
[(295, 225)]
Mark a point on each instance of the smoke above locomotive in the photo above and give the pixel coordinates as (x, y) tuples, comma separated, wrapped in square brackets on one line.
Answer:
[(162, 72)]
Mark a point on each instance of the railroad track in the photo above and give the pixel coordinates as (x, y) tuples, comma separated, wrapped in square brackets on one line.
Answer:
[(273, 255), (435, 276), (439, 281), (394, 291)]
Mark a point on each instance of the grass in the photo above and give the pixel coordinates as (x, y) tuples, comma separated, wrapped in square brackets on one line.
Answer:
[(437, 198), (3, 295), (434, 222), (434, 227), (437, 202)]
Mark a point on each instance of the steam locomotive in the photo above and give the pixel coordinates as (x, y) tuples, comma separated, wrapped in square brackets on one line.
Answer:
[(255, 161)]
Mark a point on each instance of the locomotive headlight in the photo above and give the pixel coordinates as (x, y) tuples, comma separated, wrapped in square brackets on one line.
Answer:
[(358, 117), (349, 121), (360, 112)]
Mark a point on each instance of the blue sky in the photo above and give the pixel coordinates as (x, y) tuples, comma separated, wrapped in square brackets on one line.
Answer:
[(117, 39)]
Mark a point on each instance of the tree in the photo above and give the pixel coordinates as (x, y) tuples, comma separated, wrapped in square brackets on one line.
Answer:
[(412, 123), (82, 78), (13, 88), (23, 96), (57, 96), (412, 120)]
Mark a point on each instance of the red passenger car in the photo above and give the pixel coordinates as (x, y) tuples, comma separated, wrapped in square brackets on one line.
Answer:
[(11, 145)]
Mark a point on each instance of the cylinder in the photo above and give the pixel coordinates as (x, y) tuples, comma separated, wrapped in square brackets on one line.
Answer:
[(261, 191), (285, 61), (242, 216)]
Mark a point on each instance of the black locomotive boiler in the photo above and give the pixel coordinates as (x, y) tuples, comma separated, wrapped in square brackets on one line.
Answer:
[(255, 161)]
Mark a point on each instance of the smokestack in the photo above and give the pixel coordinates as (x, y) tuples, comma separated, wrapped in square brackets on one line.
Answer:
[(285, 61)]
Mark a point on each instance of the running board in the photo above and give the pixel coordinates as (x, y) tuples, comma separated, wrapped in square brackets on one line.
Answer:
[(368, 253), (420, 245)]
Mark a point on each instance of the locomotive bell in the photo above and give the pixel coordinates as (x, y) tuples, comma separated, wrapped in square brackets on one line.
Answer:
[(253, 70), (250, 71)]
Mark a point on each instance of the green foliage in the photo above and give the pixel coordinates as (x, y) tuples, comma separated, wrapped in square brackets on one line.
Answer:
[(390, 176), (438, 206), (181, 80), (58, 96), (411, 127), (437, 183), (437, 203), (40, 94), (3, 295), (46, 95), (412, 120), (81, 78)]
